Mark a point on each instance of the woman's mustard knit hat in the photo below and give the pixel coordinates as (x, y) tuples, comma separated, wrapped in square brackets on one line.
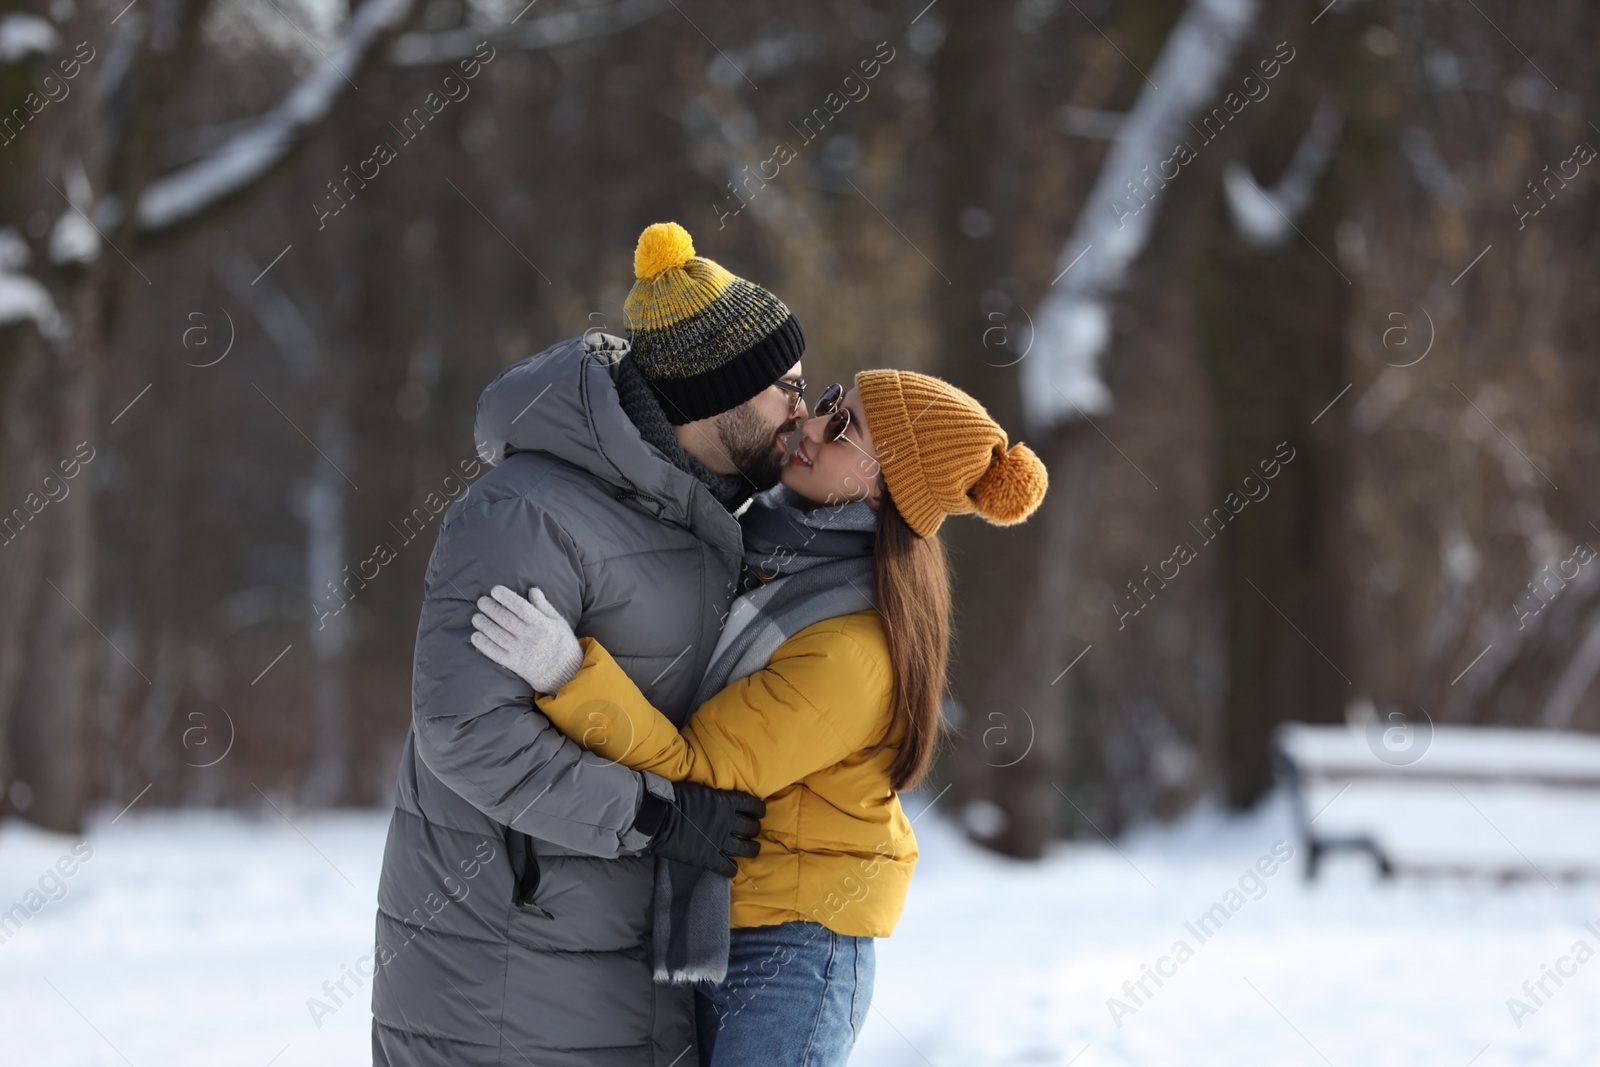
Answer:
[(706, 340), (942, 454)]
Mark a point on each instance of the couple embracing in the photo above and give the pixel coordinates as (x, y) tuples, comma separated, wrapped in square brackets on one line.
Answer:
[(671, 677)]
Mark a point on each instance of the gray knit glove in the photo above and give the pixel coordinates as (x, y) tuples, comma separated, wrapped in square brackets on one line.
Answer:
[(527, 637)]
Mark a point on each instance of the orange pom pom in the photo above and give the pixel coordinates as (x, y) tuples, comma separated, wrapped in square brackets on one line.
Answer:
[(662, 246), (1013, 486)]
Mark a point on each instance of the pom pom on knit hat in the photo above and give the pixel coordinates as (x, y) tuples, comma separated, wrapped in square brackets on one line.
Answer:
[(662, 246), (706, 340), (942, 454), (1013, 486)]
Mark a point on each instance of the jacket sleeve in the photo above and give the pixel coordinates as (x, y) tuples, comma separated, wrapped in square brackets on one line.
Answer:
[(824, 696), (475, 722)]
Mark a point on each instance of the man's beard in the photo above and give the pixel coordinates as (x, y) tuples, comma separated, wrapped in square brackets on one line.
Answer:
[(749, 442)]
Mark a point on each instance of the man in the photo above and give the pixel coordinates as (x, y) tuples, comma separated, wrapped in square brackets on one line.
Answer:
[(514, 907)]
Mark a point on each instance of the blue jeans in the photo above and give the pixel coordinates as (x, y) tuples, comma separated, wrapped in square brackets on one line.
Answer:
[(795, 996)]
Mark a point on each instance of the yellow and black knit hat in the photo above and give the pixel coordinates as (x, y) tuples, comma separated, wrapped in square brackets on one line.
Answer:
[(706, 340), (942, 454)]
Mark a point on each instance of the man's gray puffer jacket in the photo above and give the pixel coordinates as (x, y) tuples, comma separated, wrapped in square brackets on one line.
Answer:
[(514, 905)]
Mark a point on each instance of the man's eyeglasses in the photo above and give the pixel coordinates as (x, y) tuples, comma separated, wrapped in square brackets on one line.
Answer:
[(796, 390)]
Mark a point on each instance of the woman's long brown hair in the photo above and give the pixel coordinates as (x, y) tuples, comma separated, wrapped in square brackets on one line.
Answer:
[(913, 583)]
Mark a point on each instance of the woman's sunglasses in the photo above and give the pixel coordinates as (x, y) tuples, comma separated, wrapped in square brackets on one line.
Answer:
[(832, 403)]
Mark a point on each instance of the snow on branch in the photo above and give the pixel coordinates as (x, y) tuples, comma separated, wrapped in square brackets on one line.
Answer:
[(261, 144), (1264, 218), (23, 35), (21, 296), (247, 156), (420, 49), (1063, 381)]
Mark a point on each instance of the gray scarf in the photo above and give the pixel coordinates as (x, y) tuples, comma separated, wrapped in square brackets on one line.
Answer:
[(820, 566)]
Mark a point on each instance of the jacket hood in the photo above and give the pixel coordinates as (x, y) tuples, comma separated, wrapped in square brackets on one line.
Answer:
[(563, 402)]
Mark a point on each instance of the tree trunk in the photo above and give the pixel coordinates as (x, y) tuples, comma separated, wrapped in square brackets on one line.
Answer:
[(1274, 336), (1009, 591)]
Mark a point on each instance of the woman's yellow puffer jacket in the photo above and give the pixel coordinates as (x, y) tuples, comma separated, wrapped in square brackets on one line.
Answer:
[(835, 846)]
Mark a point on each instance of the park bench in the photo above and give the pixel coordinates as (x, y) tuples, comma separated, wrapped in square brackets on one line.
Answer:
[(1457, 800)]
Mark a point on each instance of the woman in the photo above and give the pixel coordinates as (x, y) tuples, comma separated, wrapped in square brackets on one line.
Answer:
[(823, 697)]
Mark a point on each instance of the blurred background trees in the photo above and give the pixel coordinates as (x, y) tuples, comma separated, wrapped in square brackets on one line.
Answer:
[(268, 335)]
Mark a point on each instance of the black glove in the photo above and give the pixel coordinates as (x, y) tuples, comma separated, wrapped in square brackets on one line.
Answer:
[(703, 827)]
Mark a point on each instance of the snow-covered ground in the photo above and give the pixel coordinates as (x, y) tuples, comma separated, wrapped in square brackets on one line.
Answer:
[(183, 938)]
